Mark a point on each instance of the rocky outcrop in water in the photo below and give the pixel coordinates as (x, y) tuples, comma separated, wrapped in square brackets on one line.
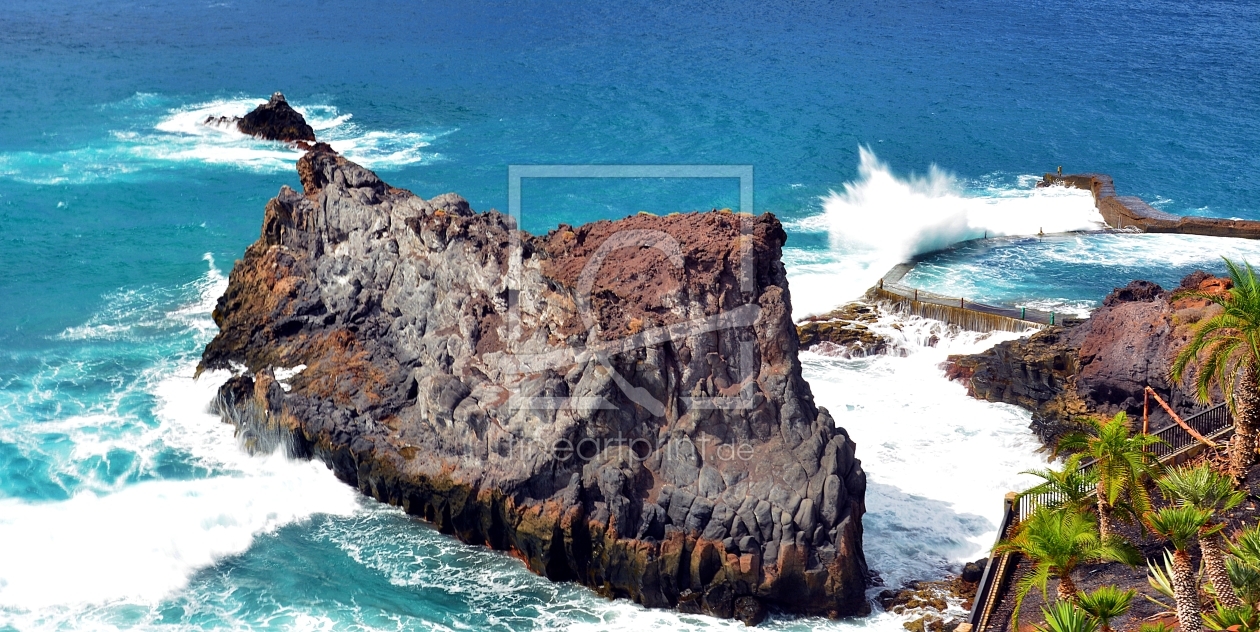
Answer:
[(1098, 366), (927, 603), (273, 120), (618, 404), (844, 332)]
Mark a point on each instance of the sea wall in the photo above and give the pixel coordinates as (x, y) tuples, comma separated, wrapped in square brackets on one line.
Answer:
[(958, 311), (618, 404), (1131, 212)]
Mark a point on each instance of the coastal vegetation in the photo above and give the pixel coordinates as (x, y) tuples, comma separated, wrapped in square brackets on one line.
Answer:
[(1225, 348), (1134, 542), (1120, 463), (1058, 541), (1204, 489), (1205, 577)]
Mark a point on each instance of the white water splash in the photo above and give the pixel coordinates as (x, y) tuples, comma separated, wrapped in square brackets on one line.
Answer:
[(137, 542), (938, 462), (180, 136), (881, 220)]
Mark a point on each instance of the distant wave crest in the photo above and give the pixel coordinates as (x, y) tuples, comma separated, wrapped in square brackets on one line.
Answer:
[(164, 136)]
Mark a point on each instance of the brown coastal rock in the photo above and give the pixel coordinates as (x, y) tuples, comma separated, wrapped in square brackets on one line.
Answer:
[(1101, 365), (844, 331), (618, 404)]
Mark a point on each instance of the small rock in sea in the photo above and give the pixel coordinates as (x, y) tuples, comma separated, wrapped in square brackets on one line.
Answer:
[(973, 570), (750, 610), (276, 120)]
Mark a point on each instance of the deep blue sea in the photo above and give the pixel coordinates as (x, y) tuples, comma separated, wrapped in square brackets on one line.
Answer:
[(876, 130)]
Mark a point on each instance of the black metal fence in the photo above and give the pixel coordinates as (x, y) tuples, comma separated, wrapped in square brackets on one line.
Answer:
[(1209, 423), (1213, 423)]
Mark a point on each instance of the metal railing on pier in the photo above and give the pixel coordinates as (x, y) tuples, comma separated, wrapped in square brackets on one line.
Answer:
[(956, 310)]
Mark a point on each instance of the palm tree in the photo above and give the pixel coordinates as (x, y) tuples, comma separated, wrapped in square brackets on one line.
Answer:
[(1070, 487), (1226, 348), (1057, 541), (1065, 616), (1106, 603), (1244, 564), (1121, 465), (1203, 488), (1181, 525)]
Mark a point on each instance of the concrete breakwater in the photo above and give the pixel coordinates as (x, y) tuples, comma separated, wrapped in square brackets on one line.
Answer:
[(1132, 212), (957, 311), (1119, 212)]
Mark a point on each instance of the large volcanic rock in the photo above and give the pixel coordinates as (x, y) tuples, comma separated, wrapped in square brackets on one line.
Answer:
[(618, 404), (1099, 366), (276, 120)]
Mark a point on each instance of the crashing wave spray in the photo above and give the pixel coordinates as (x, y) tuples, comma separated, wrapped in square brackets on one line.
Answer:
[(931, 502), (133, 544), (880, 220), (917, 215)]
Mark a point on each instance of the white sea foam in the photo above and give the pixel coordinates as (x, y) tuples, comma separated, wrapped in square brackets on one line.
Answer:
[(137, 542), (1145, 251), (144, 542), (180, 135), (880, 220), (938, 462)]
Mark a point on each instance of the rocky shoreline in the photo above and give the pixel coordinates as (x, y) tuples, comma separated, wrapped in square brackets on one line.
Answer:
[(935, 606), (844, 331), (642, 429), (1097, 366)]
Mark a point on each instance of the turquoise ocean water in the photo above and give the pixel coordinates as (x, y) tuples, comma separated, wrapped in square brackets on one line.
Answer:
[(124, 505)]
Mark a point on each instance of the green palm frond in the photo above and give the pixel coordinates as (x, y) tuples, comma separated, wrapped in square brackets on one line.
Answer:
[(1245, 578), (1106, 603), (1160, 578), (1246, 545), (1122, 461), (1157, 626), (1243, 564), (1201, 487), (1038, 577), (1069, 486), (1180, 524), (1056, 541), (1064, 616), (1241, 619), (1226, 342)]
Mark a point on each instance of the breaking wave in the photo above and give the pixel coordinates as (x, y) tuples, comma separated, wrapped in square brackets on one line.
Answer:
[(154, 136)]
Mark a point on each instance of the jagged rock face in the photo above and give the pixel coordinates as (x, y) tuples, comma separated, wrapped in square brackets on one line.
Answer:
[(618, 404), (1099, 366), (276, 120)]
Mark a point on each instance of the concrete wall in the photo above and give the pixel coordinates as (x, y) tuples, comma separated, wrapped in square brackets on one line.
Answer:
[(1131, 211)]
